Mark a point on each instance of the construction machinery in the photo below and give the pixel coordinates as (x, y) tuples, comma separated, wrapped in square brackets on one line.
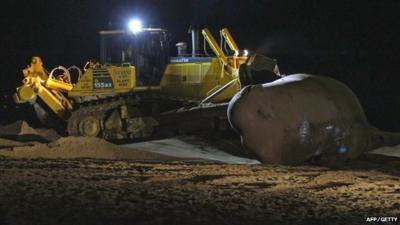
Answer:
[(137, 90)]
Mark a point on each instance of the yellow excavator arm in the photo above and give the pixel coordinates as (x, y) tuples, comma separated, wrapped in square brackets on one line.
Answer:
[(229, 39), (214, 46), (230, 63)]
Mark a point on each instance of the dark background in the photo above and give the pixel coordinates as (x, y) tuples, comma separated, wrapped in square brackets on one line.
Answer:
[(356, 42)]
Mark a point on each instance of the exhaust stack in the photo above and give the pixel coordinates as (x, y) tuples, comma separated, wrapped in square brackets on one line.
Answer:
[(195, 41)]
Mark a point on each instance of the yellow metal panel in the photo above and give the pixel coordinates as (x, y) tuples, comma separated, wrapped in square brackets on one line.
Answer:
[(119, 79), (196, 80), (85, 84), (173, 74), (180, 80), (54, 103), (205, 67), (193, 73), (123, 77)]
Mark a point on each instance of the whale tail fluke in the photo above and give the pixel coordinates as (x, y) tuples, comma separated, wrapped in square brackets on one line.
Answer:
[(383, 138)]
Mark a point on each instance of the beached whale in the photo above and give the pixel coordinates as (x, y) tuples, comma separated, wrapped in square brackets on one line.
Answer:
[(302, 117)]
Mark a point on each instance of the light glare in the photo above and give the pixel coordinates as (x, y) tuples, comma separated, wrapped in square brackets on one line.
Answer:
[(135, 25)]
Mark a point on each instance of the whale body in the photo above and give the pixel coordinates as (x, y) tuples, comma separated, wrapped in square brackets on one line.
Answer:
[(303, 117)]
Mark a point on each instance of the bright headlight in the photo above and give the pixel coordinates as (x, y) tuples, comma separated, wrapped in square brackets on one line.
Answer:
[(135, 25)]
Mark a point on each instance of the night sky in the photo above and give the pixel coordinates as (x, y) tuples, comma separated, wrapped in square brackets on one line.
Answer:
[(356, 42)]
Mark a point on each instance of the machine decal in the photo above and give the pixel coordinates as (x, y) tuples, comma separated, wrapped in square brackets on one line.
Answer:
[(102, 79), (123, 78), (189, 59)]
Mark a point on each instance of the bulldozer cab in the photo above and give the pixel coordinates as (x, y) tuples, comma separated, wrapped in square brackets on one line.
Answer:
[(147, 50)]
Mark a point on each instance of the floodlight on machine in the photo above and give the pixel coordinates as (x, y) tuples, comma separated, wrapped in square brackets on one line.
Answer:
[(135, 26)]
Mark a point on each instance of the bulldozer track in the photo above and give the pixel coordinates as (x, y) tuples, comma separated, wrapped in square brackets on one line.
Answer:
[(89, 117)]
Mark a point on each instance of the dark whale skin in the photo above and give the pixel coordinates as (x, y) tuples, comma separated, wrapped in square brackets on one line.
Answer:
[(301, 118)]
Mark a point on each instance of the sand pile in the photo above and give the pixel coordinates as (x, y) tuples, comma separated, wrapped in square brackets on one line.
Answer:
[(48, 134), (22, 141), (6, 143), (21, 131), (80, 147), (20, 127)]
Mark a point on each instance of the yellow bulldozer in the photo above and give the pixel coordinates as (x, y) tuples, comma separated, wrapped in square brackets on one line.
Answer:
[(137, 90)]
